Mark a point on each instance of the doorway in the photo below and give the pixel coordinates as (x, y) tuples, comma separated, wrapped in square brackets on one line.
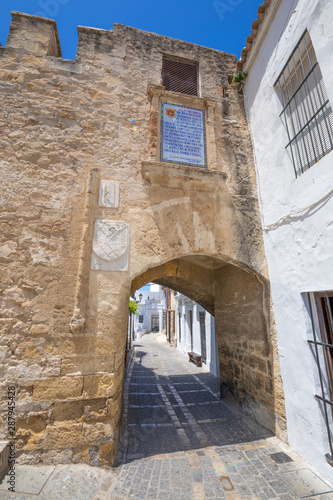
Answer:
[(155, 324)]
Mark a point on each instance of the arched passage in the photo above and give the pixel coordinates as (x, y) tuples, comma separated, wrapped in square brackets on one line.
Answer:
[(235, 294), (239, 300)]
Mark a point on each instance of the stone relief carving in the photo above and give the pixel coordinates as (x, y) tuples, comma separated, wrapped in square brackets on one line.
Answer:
[(109, 194), (110, 246)]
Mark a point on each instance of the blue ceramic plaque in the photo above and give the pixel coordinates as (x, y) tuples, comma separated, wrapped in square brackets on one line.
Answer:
[(183, 135)]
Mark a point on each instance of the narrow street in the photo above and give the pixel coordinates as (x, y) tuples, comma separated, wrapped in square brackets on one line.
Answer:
[(175, 406), (180, 442)]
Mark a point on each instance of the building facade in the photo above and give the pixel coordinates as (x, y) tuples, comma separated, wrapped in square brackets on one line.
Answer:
[(186, 324), (288, 98), (100, 197), (150, 315), (196, 332)]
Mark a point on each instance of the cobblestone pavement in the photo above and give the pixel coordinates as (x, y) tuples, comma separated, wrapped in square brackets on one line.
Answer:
[(180, 442)]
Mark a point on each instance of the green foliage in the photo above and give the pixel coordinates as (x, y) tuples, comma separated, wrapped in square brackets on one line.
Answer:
[(133, 307), (239, 76)]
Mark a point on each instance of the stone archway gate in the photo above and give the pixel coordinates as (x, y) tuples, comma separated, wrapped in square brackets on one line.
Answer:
[(90, 212)]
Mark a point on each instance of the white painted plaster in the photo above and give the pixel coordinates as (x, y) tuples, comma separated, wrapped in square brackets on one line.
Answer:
[(183, 306), (297, 216), (152, 304)]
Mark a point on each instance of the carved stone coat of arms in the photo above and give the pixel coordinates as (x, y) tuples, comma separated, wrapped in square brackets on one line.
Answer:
[(110, 244)]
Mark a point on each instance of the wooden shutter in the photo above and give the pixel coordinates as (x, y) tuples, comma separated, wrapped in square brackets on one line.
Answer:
[(180, 77)]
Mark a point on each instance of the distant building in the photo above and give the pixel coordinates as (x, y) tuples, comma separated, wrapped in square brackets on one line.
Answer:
[(196, 332), (150, 312)]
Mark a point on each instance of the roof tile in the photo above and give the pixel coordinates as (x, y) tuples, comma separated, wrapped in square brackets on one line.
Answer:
[(262, 9)]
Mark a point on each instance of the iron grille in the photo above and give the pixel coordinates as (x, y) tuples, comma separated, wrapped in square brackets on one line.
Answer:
[(306, 113), (180, 77), (322, 344)]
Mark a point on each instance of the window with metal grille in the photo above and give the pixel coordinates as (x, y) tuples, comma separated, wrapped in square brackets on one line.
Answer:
[(307, 113), (140, 319), (180, 77), (322, 344)]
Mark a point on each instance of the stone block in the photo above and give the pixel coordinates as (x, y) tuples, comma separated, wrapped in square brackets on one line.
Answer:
[(97, 432), (34, 34), (57, 388), (87, 365), (115, 403), (99, 385), (106, 452), (34, 442), (81, 455), (260, 381), (62, 436), (57, 457), (39, 329), (96, 409), (93, 409), (34, 423), (70, 410)]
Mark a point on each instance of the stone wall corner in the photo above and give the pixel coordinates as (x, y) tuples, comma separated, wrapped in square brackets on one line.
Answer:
[(33, 34)]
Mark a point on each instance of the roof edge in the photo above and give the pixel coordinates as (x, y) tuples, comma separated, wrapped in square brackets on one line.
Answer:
[(265, 13)]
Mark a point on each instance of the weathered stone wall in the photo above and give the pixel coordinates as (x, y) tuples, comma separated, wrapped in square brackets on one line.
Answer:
[(69, 126), (245, 347)]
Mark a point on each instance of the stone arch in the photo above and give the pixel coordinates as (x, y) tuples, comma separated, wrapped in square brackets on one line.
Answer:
[(239, 298)]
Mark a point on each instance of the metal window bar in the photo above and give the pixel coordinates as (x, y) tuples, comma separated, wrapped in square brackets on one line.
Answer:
[(323, 371), (307, 114), (326, 334), (292, 121), (285, 119), (321, 87), (180, 77), (307, 124), (298, 116), (299, 88), (309, 91)]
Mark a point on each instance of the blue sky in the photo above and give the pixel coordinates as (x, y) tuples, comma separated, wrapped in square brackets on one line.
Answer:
[(145, 288), (219, 24)]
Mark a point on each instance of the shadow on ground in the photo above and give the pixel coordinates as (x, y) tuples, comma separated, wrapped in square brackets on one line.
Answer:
[(172, 407)]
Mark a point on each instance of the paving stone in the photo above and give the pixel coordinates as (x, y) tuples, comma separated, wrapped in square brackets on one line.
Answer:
[(181, 445), (305, 483), (29, 479)]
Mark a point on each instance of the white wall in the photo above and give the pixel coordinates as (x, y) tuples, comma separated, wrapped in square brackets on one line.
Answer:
[(297, 217), (152, 303), (184, 305)]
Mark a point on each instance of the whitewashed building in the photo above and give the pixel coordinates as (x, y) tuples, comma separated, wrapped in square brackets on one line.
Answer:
[(196, 332), (150, 312), (288, 97)]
